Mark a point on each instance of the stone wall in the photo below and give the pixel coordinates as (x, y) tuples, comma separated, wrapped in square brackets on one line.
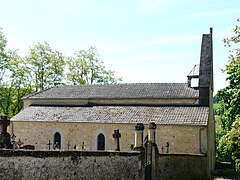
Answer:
[(181, 139), (22, 164), (69, 165), (182, 166)]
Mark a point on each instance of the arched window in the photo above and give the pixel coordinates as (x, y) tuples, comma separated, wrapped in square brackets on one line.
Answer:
[(101, 142), (57, 141)]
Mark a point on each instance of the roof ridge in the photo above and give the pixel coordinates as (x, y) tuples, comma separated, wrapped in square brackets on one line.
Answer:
[(119, 84), (35, 93)]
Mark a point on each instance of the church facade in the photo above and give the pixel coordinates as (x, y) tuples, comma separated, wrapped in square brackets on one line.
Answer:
[(86, 117)]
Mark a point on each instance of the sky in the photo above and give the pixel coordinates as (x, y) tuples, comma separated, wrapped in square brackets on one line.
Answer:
[(143, 41)]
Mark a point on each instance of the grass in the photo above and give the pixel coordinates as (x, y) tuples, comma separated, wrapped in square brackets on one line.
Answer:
[(216, 106)]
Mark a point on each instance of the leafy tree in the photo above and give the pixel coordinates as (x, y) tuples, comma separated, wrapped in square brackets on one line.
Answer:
[(42, 68), (87, 68), (47, 66), (231, 141), (3, 55), (230, 101), (216, 99), (16, 86), (230, 96), (56, 70)]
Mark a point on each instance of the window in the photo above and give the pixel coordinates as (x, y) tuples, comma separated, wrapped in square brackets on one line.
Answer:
[(101, 142), (57, 141)]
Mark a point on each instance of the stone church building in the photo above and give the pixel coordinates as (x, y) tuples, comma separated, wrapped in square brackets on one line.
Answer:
[(85, 117)]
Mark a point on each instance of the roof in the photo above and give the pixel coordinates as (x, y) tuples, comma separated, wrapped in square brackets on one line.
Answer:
[(196, 116), (136, 90)]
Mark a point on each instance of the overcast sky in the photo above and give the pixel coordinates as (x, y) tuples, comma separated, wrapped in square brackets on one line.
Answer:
[(141, 40)]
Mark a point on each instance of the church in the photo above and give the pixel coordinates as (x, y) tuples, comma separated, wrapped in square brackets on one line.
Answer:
[(85, 117)]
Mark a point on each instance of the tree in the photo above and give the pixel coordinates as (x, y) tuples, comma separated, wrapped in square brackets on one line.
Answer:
[(56, 70), (3, 55), (47, 66), (87, 68), (42, 68), (17, 85), (231, 142), (230, 98)]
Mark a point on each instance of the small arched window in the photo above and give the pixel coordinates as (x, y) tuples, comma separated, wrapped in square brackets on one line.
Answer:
[(101, 142), (57, 141)]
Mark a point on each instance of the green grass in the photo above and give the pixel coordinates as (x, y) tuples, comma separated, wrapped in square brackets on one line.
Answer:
[(216, 106)]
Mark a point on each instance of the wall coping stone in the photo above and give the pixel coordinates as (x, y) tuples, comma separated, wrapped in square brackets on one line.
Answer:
[(57, 153), (179, 154)]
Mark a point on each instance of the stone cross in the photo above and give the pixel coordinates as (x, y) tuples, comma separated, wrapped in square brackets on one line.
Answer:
[(117, 136), (49, 145)]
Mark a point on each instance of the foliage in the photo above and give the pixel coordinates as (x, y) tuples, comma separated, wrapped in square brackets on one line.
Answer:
[(231, 141), (228, 135), (47, 66), (43, 68), (222, 152), (216, 99), (16, 86), (3, 55), (87, 68), (237, 165), (216, 107)]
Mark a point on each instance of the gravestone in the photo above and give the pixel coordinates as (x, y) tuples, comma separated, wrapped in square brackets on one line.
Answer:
[(117, 136)]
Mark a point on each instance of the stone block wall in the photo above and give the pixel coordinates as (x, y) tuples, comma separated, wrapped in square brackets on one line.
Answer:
[(181, 139), (39, 134), (182, 166), (69, 165), (23, 164)]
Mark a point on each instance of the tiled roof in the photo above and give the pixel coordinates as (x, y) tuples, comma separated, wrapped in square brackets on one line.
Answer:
[(117, 114), (138, 90)]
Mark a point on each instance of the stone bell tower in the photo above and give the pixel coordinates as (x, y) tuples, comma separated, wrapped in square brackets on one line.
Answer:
[(206, 94), (206, 70)]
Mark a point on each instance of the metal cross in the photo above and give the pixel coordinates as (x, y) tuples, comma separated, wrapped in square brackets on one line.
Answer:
[(68, 145), (75, 146), (49, 144), (167, 146), (117, 136), (19, 143), (83, 146)]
